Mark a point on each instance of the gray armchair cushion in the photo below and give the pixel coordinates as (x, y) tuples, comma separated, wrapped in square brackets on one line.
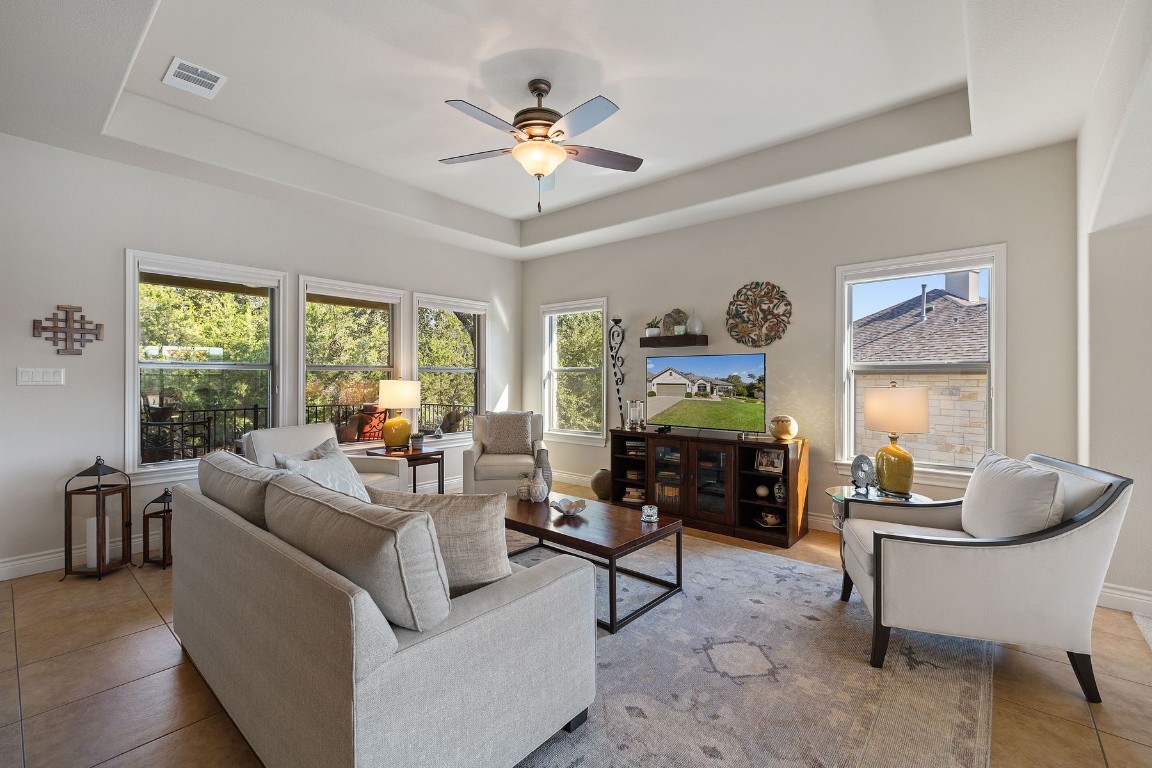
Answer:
[(509, 432), (1006, 497), (858, 539), (237, 484), (391, 553), (327, 465), (502, 466), (469, 529)]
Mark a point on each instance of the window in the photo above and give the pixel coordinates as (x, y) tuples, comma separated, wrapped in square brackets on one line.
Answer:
[(203, 355), (449, 361), (573, 386), (349, 345), (933, 321)]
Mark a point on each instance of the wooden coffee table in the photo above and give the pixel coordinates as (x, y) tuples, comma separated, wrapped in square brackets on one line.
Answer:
[(601, 534)]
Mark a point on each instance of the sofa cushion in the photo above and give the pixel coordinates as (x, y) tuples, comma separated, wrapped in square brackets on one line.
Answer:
[(502, 466), (469, 529), (327, 465), (1079, 492), (236, 483), (858, 540), (509, 432), (381, 480), (391, 553), (1006, 497)]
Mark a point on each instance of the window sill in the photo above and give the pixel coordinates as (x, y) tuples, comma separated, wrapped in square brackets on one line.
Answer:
[(575, 438), (167, 473), (942, 478)]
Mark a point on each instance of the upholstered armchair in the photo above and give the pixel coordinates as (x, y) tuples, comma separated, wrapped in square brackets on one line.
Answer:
[(955, 567), (489, 472), (384, 472)]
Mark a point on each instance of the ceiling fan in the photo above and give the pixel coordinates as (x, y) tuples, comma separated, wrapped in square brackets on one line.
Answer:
[(540, 134)]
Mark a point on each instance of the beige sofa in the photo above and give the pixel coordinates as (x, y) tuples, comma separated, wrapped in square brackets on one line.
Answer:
[(314, 675)]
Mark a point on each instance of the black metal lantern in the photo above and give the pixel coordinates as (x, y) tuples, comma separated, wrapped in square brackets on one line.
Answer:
[(98, 563), (164, 516)]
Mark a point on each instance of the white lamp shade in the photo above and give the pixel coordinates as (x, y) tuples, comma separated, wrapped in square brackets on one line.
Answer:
[(399, 393), (539, 157), (902, 410)]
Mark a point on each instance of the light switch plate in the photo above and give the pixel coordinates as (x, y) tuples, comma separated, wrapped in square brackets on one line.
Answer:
[(40, 377)]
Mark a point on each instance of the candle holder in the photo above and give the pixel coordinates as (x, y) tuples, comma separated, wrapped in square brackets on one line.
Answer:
[(98, 562), (164, 517)]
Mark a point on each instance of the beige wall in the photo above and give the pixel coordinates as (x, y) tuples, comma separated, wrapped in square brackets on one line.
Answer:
[(1120, 432), (65, 220), (1025, 200)]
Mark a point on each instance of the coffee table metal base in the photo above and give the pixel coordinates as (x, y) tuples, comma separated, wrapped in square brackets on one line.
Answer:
[(615, 622)]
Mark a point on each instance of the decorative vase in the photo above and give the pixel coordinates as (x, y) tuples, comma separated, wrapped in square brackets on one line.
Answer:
[(695, 325), (544, 467), (762, 491), (537, 488), (780, 492), (650, 332), (784, 427), (602, 484), (678, 330), (522, 488)]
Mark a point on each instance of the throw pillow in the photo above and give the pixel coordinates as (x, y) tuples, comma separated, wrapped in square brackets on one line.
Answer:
[(390, 553), (327, 465), (236, 483), (1006, 497), (509, 432), (469, 529)]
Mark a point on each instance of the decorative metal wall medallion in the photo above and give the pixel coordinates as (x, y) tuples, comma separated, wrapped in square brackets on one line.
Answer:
[(70, 331), (759, 314)]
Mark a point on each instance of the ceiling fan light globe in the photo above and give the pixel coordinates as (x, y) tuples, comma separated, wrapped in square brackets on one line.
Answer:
[(539, 158)]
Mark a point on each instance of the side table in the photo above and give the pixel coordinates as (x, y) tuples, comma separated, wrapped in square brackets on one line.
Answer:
[(415, 459), (843, 496)]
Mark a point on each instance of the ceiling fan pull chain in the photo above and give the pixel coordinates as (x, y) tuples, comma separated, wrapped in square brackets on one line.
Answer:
[(539, 191)]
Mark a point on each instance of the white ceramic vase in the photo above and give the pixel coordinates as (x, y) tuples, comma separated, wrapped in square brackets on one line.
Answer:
[(537, 488), (695, 325), (522, 491)]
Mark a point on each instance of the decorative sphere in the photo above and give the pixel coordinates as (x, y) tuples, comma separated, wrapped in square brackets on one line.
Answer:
[(783, 427), (762, 491)]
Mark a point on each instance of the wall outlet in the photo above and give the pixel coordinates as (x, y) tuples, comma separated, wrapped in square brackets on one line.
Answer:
[(40, 377)]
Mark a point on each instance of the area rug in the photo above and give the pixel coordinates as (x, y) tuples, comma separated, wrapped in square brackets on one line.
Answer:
[(759, 664), (1145, 624)]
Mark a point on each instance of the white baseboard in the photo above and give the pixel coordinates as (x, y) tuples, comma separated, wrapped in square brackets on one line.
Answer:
[(571, 477), (821, 523), (53, 559), (451, 485), (1126, 599)]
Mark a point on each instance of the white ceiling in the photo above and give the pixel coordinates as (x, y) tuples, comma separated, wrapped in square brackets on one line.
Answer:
[(734, 107)]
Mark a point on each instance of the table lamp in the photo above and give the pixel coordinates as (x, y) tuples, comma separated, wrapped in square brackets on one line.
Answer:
[(894, 409), (395, 395)]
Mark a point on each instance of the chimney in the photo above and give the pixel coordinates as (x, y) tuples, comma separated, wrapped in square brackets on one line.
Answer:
[(963, 285), (923, 302)]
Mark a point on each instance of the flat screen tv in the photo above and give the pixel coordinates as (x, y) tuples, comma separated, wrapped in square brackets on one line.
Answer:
[(706, 391)]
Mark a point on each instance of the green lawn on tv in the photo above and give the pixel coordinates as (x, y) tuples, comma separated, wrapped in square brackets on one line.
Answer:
[(727, 413)]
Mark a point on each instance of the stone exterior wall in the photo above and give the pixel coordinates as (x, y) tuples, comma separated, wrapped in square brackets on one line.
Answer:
[(957, 417)]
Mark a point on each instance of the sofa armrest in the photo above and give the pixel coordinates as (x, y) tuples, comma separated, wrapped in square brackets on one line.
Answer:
[(512, 663), (471, 454), (942, 514), (539, 445), (383, 464)]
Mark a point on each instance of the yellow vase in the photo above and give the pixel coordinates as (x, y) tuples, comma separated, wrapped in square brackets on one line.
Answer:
[(396, 432), (894, 468)]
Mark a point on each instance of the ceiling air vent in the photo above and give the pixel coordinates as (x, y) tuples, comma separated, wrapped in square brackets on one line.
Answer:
[(189, 77)]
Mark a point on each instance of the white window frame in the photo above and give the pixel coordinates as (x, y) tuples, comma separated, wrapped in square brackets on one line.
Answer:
[(178, 266), (341, 289), (547, 394), (991, 257), (450, 304)]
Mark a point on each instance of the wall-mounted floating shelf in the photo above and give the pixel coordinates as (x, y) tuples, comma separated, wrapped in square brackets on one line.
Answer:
[(683, 340)]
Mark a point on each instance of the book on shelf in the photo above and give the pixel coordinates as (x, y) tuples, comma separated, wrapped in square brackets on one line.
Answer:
[(633, 474)]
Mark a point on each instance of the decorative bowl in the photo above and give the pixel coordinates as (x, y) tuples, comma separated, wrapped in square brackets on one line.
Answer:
[(568, 507)]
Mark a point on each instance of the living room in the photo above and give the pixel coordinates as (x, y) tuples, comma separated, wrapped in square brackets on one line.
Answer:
[(1040, 145)]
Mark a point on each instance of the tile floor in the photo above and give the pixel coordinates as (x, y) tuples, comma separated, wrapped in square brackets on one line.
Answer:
[(92, 674)]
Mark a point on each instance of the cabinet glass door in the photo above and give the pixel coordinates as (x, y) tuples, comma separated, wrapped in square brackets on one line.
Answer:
[(668, 471), (711, 481)]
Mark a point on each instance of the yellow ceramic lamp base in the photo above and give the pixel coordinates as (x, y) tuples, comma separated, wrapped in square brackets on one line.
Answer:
[(894, 468), (396, 432)]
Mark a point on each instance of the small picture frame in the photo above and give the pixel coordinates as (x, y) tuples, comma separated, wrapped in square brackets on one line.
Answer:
[(770, 460)]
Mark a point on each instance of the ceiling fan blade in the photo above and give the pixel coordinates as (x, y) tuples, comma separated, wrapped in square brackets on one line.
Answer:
[(603, 158), (487, 118), (475, 156), (588, 115)]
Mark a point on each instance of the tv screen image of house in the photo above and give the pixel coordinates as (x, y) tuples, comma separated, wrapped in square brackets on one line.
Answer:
[(706, 391)]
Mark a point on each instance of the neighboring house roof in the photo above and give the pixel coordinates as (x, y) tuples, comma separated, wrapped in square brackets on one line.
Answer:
[(954, 331)]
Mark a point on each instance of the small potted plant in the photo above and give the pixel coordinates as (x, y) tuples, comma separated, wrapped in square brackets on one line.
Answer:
[(416, 440), (652, 327)]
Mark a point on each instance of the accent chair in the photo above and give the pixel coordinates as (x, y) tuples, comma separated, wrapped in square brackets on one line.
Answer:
[(488, 472), (383, 472), (949, 568)]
